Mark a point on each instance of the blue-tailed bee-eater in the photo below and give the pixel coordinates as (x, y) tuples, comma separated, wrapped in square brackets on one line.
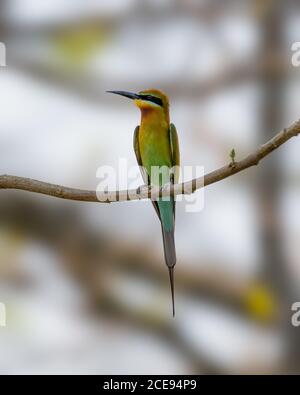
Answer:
[(156, 147)]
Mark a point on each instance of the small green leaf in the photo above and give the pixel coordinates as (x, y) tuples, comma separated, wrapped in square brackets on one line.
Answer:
[(232, 154), (232, 157)]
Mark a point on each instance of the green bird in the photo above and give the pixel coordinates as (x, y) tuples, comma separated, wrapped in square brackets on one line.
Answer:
[(157, 152)]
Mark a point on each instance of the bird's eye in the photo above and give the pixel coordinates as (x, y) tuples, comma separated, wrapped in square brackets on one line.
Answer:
[(152, 99), (146, 97)]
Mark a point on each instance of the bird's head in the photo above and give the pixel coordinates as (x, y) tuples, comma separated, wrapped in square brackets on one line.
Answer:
[(147, 100)]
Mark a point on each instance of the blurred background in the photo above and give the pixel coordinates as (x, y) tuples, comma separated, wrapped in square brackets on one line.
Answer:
[(84, 284)]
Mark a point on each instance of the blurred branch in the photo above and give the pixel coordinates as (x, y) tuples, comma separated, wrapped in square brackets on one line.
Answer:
[(231, 76), (86, 88), (92, 257), (62, 192), (205, 12), (99, 264), (275, 256)]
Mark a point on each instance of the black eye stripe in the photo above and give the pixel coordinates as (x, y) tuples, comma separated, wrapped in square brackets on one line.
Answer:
[(153, 99)]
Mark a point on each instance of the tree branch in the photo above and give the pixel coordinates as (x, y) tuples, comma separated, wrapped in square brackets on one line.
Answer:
[(27, 184)]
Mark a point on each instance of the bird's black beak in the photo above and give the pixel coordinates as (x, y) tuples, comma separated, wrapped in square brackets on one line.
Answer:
[(130, 95)]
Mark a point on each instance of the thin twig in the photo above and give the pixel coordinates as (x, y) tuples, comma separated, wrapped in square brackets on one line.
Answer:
[(30, 185)]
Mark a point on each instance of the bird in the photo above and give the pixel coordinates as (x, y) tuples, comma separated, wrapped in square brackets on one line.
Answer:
[(156, 148)]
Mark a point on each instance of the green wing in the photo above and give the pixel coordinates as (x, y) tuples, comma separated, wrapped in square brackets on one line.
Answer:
[(138, 155), (174, 151), (145, 176)]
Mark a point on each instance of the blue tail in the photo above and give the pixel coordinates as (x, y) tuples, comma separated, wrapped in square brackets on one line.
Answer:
[(167, 218)]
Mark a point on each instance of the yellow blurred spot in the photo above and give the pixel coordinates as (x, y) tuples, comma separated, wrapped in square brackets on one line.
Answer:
[(261, 302), (76, 45)]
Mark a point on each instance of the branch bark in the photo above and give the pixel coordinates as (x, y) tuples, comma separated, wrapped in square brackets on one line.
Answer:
[(62, 192)]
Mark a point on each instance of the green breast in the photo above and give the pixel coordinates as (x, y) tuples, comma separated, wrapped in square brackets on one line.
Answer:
[(155, 152)]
